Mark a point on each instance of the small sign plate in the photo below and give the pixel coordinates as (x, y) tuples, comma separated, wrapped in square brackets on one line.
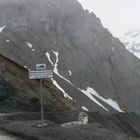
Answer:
[(45, 74), (40, 66)]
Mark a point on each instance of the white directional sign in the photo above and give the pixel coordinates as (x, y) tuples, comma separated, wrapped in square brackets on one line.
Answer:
[(45, 74)]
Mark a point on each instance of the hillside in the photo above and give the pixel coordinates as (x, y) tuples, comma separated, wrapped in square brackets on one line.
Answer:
[(90, 65), (18, 93)]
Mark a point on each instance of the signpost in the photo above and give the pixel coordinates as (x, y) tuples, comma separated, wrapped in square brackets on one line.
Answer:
[(41, 73)]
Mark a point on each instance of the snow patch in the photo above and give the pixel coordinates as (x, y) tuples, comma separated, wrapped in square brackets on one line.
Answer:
[(70, 73), (29, 45), (55, 70), (49, 58), (25, 66), (85, 108), (57, 85), (137, 54), (2, 28), (130, 38), (109, 101), (7, 41), (131, 41), (87, 93), (33, 50), (56, 63)]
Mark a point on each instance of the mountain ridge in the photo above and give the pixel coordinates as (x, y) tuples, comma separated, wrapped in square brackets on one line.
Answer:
[(67, 38)]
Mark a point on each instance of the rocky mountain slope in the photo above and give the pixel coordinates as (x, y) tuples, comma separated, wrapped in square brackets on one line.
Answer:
[(19, 96), (90, 66)]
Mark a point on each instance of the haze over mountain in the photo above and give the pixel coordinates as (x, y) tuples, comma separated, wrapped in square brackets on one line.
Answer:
[(132, 42), (90, 66)]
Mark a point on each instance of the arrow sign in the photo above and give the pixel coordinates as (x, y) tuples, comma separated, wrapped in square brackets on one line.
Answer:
[(40, 66)]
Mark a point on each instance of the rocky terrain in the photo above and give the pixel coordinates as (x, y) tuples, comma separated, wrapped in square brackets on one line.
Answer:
[(89, 64), (101, 127), (19, 94), (92, 71)]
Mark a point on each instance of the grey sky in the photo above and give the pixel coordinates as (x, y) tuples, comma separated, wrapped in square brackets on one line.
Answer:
[(119, 16)]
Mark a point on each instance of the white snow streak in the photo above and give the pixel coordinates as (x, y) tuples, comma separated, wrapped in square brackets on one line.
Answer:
[(2, 28), (56, 63), (109, 101), (57, 85), (137, 54), (49, 58), (29, 45), (83, 107), (55, 66), (55, 70), (87, 93), (70, 73)]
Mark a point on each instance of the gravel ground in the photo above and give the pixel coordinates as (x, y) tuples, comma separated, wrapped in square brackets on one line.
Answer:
[(54, 132), (23, 127), (5, 136)]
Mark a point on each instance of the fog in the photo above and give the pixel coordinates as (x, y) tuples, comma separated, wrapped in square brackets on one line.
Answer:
[(118, 16)]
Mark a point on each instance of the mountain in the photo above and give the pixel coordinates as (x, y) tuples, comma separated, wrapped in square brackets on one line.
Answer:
[(132, 42), (19, 103), (91, 67)]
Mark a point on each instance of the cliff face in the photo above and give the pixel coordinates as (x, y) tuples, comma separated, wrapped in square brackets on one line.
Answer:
[(75, 45)]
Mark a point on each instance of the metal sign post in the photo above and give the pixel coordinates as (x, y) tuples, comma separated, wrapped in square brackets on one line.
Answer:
[(41, 73), (42, 102)]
